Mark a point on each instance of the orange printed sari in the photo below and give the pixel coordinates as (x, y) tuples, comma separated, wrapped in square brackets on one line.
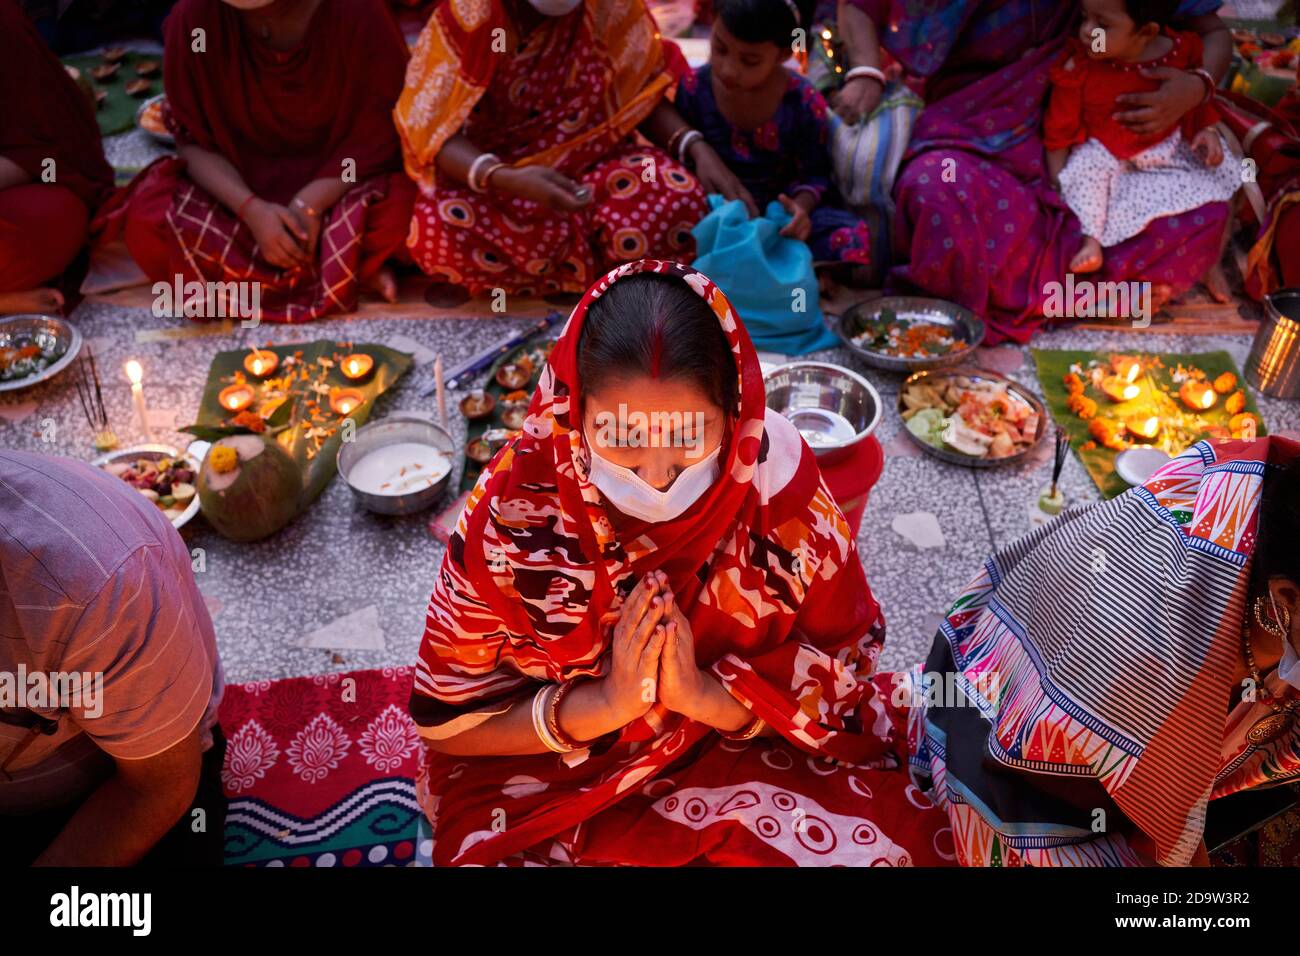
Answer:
[(568, 95)]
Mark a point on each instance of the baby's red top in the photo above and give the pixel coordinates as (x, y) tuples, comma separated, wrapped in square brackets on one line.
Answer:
[(1084, 91)]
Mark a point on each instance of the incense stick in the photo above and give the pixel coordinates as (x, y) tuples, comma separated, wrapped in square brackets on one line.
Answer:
[(91, 396), (1062, 445)]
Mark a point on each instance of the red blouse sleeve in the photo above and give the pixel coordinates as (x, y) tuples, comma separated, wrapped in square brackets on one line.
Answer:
[(1063, 122)]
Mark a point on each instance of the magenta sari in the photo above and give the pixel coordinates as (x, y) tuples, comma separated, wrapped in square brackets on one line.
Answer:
[(997, 234)]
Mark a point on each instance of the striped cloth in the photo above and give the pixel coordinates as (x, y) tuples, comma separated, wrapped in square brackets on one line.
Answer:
[(1085, 675), (865, 158)]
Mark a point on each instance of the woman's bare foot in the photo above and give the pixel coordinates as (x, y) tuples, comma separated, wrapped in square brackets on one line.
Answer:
[(1161, 293), (1088, 258), (1216, 283), (30, 300), (385, 284)]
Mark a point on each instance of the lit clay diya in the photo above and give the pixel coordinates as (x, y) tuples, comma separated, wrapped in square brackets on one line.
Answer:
[(1198, 396), (236, 398), (479, 450), (1142, 428), (356, 366), (477, 404), (1122, 385), (344, 401), (1120, 389), (260, 363)]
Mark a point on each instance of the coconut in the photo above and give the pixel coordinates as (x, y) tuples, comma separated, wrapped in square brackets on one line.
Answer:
[(253, 493)]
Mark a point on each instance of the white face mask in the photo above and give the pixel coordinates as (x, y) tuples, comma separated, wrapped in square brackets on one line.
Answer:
[(554, 8), (638, 499)]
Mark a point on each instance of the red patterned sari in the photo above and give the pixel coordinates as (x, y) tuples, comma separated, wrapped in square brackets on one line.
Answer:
[(765, 570), (569, 95), (282, 119)]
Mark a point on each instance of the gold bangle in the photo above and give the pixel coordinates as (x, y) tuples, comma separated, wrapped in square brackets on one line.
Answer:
[(748, 732), (484, 179), (539, 720), (553, 717)]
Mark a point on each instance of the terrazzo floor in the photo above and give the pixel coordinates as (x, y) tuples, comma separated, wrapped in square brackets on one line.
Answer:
[(270, 599)]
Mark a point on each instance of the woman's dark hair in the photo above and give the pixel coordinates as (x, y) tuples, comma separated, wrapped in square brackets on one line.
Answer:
[(1159, 12), (653, 324), (764, 21), (1277, 553)]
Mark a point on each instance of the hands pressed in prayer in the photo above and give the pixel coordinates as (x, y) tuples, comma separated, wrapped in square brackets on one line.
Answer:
[(1179, 93), (280, 237), (544, 185), (638, 641), (682, 686), (715, 177)]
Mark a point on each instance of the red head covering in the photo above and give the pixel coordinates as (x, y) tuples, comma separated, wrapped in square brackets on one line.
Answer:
[(762, 565)]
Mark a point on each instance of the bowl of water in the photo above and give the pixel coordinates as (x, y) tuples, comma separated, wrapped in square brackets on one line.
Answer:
[(833, 408)]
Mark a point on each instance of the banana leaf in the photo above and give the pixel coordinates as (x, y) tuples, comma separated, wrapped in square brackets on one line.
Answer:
[(291, 421), (117, 115), (1180, 428)]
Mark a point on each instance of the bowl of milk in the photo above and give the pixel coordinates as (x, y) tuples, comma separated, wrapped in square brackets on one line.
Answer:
[(398, 465)]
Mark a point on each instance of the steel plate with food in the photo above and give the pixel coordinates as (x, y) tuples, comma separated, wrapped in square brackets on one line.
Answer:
[(905, 333), (162, 474), (150, 119), (972, 417), (34, 348)]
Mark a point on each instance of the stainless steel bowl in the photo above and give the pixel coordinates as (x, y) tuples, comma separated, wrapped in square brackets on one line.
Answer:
[(832, 407), (153, 453), (50, 333), (400, 427), (967, 327)]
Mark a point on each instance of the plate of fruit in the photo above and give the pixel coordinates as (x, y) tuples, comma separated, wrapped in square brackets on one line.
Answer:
[(162, 474)]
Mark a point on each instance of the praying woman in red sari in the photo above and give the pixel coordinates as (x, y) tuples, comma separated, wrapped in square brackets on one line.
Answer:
[(289, 169), (52, 169), (651, 641), (518, 124)]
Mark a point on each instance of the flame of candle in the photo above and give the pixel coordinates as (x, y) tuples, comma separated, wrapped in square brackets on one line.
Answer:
[(1133, 371), (1207, 399), (134, 372), (1131, 392)]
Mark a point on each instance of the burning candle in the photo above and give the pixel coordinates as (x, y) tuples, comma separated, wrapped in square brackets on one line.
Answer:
[(1198, 396), (442, 391), (356, 366), (344, 401), (1144, 428), (236, 398), (135, 372), (260, 363)]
